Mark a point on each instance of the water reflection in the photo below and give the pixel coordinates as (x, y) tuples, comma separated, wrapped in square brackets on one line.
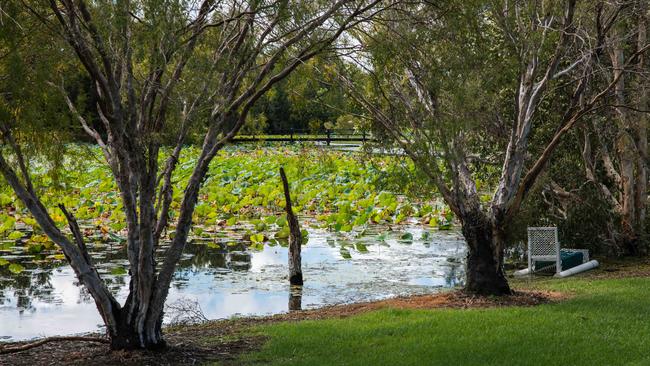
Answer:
[(295, 298), (226, 280)]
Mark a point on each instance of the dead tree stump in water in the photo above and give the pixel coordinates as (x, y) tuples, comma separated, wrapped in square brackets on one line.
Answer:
[(295, 237)]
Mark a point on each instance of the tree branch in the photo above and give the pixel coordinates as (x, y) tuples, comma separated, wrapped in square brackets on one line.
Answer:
[(24, 347)]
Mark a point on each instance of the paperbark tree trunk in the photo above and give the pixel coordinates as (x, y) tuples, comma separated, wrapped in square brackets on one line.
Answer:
[(641, 184), (626, 152), (632, 149), (127, 335), (484, 271)]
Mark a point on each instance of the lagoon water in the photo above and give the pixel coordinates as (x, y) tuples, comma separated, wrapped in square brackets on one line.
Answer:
[(45, 299)]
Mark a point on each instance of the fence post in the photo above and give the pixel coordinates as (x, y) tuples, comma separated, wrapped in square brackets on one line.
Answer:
[(291, 132), (363, 133), (328, 136)]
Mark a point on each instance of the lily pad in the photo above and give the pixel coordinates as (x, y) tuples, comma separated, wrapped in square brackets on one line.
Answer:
[(283, 233), (406, 236), (257, 238), (361, 248), (16, 268), (15, 235), (118, 271), (35, 248)]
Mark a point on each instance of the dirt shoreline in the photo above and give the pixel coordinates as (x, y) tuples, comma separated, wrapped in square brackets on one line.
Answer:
[(225, 340)]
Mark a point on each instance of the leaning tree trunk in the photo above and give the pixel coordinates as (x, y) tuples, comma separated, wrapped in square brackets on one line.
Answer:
[(484, 273), (295, 237)]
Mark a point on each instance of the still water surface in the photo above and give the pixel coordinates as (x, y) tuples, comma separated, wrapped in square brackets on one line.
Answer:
[(45, 299)]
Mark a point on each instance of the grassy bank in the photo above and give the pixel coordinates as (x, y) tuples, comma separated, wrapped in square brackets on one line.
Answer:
[(605, 322)]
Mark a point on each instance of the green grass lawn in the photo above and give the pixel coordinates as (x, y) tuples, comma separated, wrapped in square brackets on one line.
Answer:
[(606, 322)]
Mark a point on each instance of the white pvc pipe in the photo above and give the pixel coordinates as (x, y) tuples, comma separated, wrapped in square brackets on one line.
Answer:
[(522, 272), (577, 269)]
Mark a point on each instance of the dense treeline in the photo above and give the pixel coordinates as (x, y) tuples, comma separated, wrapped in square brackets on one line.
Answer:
[(306, 101)]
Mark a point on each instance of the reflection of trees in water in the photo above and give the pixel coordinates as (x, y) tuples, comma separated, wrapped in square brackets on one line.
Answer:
[(200, 256), (331, 242), (455, 276), (34, 283), (115, 282), (204, 255), (84, 295)]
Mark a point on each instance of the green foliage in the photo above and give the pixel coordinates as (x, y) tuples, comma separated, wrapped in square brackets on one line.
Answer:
[(5, 199), (588, 224), (118, 271), (584, 219), (7, 223), (309, 99), (255, 125), (29, 106)]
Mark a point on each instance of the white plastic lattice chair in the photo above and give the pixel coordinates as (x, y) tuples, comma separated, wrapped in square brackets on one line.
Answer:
[(544, 246)]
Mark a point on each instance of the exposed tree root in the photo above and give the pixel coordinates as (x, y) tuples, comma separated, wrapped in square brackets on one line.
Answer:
[(24, 347)]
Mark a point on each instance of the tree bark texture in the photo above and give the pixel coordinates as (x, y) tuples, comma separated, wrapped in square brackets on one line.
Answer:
[(641, 188), (295, 237), (484, 273)]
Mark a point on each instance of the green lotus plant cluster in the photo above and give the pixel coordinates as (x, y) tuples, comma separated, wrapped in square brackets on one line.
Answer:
[(242, 196)]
